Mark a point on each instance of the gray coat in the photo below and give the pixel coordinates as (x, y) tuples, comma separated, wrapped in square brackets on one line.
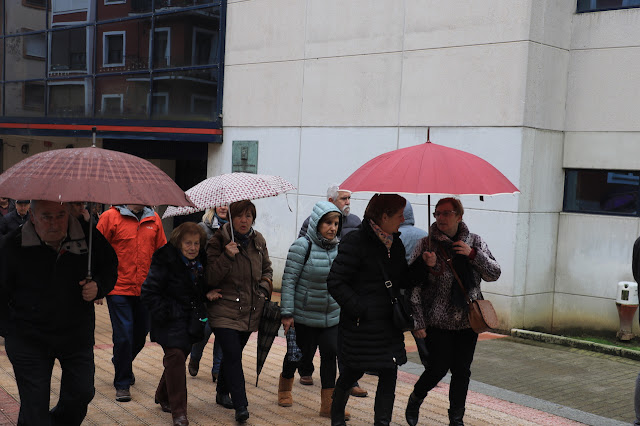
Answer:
[(304, 286)]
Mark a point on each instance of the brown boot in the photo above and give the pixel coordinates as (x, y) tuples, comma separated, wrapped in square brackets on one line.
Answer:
[(326, 396), (284, 392)]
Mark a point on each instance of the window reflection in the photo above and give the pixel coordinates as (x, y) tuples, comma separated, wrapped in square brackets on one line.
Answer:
[(24, 99), (69, 50), (185, 95), (67, 99), (122, 96), (26, 55)]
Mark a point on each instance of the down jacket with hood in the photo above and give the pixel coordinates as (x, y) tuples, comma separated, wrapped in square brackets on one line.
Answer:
[(170, 294), (134, 241), (410, 234), (245, 281), (304, 286), (368, 340)]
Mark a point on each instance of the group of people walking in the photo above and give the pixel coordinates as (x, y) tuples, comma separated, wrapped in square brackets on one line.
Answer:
[(216, 276)]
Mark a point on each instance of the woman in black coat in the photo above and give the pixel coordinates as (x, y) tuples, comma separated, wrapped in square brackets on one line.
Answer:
[(368, 340), (174, 295)]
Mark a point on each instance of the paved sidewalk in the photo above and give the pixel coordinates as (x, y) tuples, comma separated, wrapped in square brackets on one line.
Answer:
[(487, 405)]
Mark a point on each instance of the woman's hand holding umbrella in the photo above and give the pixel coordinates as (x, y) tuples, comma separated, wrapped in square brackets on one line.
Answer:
[(429, 258), (287, 323), (89, 290), (231, 249), (419, 334)]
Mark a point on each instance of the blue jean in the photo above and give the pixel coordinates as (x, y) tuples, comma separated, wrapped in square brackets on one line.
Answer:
[(198, 348), (231, 378), (33, 363), (130, 325)]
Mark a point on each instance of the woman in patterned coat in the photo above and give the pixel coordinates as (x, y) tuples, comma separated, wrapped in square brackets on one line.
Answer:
[(439, 306)]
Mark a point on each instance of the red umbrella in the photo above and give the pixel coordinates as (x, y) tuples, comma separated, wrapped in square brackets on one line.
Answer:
[(429, 168), (91, 174)]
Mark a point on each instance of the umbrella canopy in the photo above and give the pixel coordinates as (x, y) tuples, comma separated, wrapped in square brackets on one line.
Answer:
[(429, 168), (267, 331), (228, 188), (91, 174)]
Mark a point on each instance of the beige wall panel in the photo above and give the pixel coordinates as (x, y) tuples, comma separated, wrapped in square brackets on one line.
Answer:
[(338, 27), (613, 28), (594, 254), (576, 312), (263, 94), (602, 150), (259, 31), (435, 23), (546, 87), (537, 311), (551, 22), (465, 86), (352, 91), (603, 91)]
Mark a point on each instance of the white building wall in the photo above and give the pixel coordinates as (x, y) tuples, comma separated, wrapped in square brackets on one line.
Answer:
[(326, 85)]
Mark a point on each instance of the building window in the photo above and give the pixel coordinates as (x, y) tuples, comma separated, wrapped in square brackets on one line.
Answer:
[(35, 45), (203, 105), (112, 105), (160, 104), (106, 2), (67, 99), (69, 50), (162, 48), (602, 192), (205, 47), (598, 5), (113, 48), (40, 4), (33, 98)]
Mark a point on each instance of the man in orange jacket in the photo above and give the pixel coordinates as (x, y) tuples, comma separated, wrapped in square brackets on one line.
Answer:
[(135, 233)]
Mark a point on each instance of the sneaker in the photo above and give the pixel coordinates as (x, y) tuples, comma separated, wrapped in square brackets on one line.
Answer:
[(194, 366), (306, 380), (123, 395), (359, 392)]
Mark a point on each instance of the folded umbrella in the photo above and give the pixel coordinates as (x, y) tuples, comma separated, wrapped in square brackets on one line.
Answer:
[(267, 332)]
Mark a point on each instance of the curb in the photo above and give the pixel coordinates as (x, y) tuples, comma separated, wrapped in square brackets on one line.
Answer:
[(575, 343)]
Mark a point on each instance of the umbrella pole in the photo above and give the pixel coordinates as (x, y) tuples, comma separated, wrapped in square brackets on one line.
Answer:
[(429, 218), (231, 225), (89, 274)]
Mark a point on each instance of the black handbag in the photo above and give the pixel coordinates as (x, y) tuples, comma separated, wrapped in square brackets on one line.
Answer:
[(197, 321), (402, 316)]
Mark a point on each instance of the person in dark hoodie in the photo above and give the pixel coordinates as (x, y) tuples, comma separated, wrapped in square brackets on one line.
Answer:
[(16, 218), (212, 220), (47, 311)]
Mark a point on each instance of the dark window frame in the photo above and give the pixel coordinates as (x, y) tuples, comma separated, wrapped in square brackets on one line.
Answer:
[(584, 7), (566, 203)]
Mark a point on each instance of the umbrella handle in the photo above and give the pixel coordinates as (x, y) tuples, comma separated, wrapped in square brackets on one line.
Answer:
[(89, 275), (232, 236)]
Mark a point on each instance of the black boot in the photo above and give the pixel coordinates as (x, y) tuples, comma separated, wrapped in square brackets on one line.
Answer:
[(412, 412), (242, 414), (383, 409), (455, 416), (340, 398)]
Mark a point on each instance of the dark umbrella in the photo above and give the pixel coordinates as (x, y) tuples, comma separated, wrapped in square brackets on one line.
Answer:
[(267, 331)]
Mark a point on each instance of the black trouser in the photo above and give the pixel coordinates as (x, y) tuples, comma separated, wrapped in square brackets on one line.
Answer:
[(33, 364), (231, 378), (448, 350), (310, 338), (385, 392), (172, 387)]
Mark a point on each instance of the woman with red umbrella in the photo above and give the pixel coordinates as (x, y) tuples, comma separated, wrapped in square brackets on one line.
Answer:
[(449, 255)]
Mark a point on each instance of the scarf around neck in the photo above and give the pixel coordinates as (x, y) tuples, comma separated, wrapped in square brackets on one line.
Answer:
[(387, 239)]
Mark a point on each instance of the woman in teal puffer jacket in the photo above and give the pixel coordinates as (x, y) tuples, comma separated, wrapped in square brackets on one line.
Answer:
[(306, 302)]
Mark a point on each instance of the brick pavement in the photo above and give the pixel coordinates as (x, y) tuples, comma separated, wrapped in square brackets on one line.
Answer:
[(482, 409)]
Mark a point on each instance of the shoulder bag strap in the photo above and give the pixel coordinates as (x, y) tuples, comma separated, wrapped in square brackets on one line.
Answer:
[(387, 282), (455, 275)]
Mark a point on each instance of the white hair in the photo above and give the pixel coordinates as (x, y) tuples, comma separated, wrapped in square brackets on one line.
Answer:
[(333, 190)]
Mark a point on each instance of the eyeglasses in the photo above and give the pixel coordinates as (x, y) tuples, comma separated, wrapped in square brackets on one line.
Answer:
[(445, 213)]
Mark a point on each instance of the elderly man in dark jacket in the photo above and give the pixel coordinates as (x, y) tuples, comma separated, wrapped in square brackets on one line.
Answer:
[(16, 218), (47, 311)]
